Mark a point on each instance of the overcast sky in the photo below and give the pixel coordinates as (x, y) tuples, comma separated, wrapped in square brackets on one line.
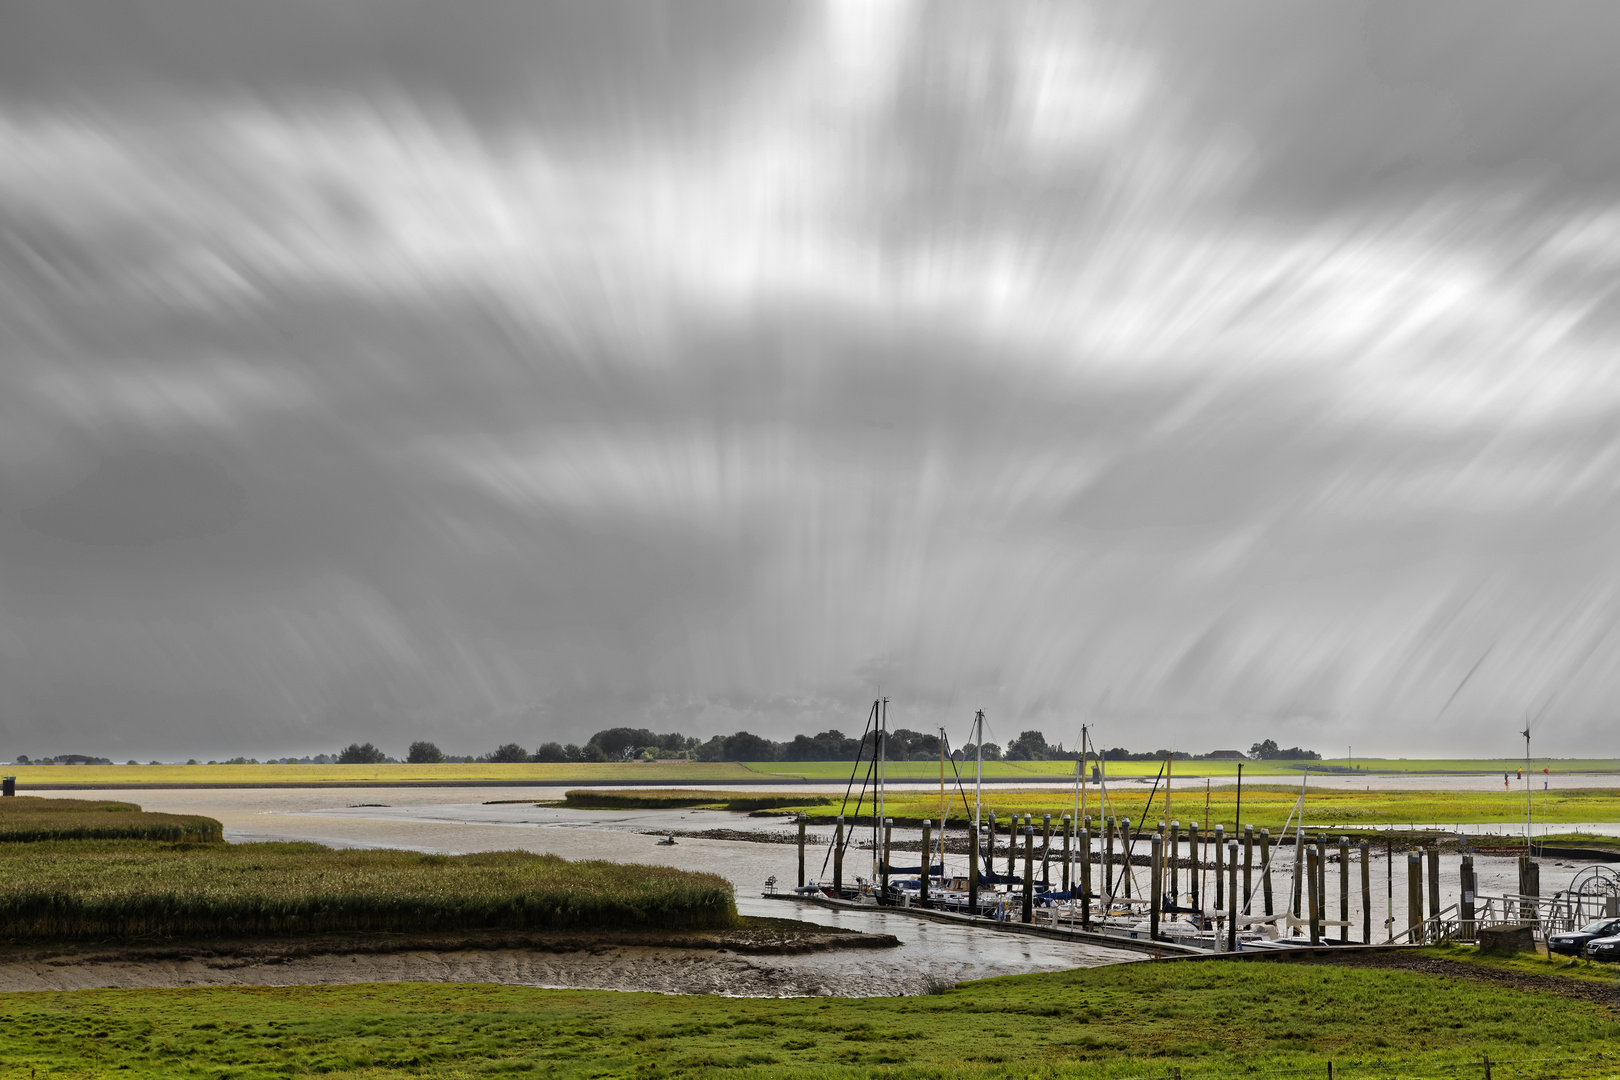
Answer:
[(478, 371)]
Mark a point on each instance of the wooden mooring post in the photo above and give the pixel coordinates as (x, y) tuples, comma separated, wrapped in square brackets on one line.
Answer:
[(1265, 868), (1012, 846), (1156, 881), (1196, 871), (1248, 868), (927, 860), (1465, 908), (802, 820), (1313, 858), (1108, 856), (1085, 876), (1414, 896), (1232, 904), (1366, 893), (838, 857), (973, 870), (1220, 876), (1046, 851), (1067, 858), (1029, 873), (888, 834), (1299, 868), (1344, 890), (1125, 846), (1433, 853), (1175, 857)]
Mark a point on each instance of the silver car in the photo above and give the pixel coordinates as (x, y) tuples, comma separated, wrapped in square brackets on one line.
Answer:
[(1604, 948)]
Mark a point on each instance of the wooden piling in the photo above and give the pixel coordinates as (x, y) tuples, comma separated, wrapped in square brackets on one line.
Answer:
[(802, 820), (838, 857), (1248, 868), (1414, 896), (1012, 847), (1433, 852), (1046, 851), (1366, 893), (1156, 881), (973, 870), (1029, 873), (1321, 872), (1265, 867), (1232, 905), (1197, 865), (1085, 877), (1299, 869), (1175, 857), (1067, 857), (927, 860), (1220, 876), (1108, 856), (1344, 890), (888, 835), (1125, 846), (1313, 858), (1465, 908)]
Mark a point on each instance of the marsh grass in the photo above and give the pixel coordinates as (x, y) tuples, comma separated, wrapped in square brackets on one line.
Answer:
[(673, 798), (122, 890), (27, 819), (1263, 805), (1208, 1020)]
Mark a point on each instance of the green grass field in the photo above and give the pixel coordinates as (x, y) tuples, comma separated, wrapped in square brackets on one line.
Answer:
[(1264, 805), (1139, 1020), (25, 819), (99, 890), (61, 777)]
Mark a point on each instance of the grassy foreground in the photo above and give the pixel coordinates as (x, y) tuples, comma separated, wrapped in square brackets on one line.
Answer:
[(1134, 1020), (26, 819), (100, 890), (1264, 805)]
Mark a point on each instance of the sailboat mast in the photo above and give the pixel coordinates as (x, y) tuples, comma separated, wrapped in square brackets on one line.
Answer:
[(978, 775)]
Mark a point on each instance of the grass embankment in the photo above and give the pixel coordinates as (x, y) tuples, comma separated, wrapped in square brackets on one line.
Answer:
[(1264, 805), (744, 801), (70, 777), (1205, 1019), (929, 770), (30, 820), (108, 889)]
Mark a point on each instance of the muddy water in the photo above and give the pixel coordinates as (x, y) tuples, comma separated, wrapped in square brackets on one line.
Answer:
[(457, 820)]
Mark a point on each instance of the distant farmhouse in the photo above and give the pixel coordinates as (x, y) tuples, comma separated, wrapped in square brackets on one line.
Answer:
[(1226, 755)]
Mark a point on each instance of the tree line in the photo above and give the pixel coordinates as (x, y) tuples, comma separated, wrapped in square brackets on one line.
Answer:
[(631, 744)]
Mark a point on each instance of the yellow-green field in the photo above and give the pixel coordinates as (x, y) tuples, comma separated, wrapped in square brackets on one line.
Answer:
[(1264, 805), (66, 777), (46, 777)]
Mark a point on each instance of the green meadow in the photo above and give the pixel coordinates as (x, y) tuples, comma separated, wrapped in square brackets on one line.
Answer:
[(1264, 805), (1207, 1019), (1001, 770)]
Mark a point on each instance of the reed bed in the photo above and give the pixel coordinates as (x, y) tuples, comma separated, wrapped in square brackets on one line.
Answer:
[(674, 798), (100, 890), (25, 819)]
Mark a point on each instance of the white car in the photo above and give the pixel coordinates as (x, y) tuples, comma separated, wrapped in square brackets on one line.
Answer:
[(1603, 948)]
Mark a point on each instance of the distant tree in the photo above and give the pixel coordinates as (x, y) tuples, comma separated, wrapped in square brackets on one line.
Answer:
[(574, 752), (1265, 751), (744, 746), (713, 750), (509, 753), (992, 752), (424, 753), (361, 754), (831, 745), (22, 759), (551, 751), (1029, 746), (131, 761)]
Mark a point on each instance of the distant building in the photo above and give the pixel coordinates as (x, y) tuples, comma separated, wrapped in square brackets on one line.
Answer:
[(1226, 755)]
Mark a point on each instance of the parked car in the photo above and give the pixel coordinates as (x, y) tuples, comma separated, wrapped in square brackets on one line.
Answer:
[(1574, 942), (1604, 948)]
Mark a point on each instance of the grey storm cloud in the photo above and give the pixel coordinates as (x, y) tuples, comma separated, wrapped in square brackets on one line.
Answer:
[(477, 372)]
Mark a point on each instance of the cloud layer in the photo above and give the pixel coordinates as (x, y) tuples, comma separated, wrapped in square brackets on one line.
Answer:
[(1203, 374)]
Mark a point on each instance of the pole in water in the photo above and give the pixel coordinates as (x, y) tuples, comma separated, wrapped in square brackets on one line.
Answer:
[(1085, 877), (927, 858), (1046, 851), (1193, 871), (1125, 842), (1220, 877), (1156, 881), (1344, 890), (1175, 856), (1066, 855), (1108, 856), (802, 820), (888, 835), (1312, 858), (1012, 848), (1366, 893), (838, 858), (1232, 909), (1414, 896), (973, 871), (1248, 867), (1265, 867), (1465, 910), (1433, 853), (1029, 873)]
